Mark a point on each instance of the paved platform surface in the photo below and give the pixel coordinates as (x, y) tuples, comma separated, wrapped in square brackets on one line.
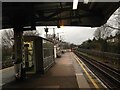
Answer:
[(61, 75)]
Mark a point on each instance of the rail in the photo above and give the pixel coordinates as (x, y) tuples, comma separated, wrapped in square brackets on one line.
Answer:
[(107, 55), (111, 59), (109, 76)]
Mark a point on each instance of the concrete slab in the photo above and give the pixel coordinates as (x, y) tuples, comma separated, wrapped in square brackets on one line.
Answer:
[(7, 75)]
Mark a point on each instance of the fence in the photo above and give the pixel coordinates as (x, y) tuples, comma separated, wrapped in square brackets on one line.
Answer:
[(111, 59)]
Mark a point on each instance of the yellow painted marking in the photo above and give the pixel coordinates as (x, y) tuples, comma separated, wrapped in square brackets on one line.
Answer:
[(94, 83)]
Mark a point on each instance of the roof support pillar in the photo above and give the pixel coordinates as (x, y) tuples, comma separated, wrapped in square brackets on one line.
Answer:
[(18, 45)]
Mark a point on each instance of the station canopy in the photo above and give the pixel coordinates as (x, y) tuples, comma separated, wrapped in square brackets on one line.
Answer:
[(24, 14)]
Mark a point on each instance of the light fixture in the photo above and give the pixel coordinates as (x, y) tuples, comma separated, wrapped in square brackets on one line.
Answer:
[(85, 1), (75, 4), (62, 26), (46, 30)]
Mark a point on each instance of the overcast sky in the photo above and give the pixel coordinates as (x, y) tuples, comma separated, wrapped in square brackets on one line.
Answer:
[(71, 34)]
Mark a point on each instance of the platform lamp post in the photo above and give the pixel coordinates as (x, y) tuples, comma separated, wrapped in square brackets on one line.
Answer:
[(54, 33), (54, 36), (46, 30), (54, 41), (59, 36)]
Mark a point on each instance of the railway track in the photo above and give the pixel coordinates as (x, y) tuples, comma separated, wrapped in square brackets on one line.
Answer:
[(109, 76)]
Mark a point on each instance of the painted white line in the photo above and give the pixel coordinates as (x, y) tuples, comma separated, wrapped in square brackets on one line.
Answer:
[(82, 83), (79, 73)]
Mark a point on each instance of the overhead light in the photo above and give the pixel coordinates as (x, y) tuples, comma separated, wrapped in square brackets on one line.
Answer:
[(60, 24), (85, 1), (75, 4)]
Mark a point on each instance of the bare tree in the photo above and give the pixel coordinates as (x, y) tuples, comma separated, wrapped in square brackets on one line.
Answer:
[(97, 33), (102, 32), (110, 28), (7, 38), (118, 20), (114, 23)]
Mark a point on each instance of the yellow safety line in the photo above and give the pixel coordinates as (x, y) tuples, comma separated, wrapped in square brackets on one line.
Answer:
[(94, 83)]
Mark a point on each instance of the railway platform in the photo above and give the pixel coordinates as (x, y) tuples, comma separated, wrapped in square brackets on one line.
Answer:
[(67, 72)]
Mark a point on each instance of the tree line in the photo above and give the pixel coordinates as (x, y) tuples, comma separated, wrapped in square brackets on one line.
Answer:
[(107, 37)]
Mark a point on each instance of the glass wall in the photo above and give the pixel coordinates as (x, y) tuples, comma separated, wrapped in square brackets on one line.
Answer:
[(48, 54)]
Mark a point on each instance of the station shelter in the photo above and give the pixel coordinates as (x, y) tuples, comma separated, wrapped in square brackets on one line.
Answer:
[(38, 54)]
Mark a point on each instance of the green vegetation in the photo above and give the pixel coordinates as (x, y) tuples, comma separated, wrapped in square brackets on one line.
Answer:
[(110, 44), (107, 37)]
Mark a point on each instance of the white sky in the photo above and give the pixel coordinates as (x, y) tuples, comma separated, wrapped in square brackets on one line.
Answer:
[(71, 34)]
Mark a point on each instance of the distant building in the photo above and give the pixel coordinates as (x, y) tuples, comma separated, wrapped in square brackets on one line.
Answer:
[(113, 39)]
